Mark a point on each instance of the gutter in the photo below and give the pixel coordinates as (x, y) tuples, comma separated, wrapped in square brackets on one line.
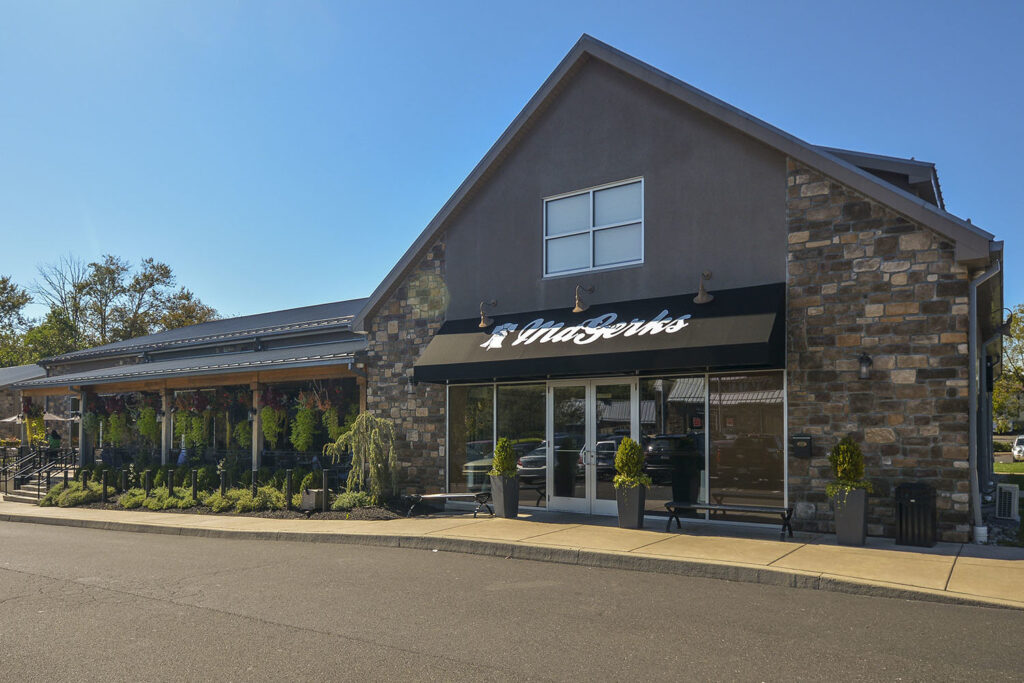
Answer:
[(980, 534)]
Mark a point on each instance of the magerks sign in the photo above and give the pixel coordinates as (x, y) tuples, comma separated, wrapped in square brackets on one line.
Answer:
[(541, 331)]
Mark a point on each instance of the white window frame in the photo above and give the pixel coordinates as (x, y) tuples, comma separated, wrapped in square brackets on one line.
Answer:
[(592, 229)]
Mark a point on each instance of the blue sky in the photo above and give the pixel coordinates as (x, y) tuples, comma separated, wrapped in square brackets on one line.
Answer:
[(280, 154)]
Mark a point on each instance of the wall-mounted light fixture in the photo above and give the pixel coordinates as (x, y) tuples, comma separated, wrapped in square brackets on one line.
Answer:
[(865, 366), (580, 304), (484, 320), (702, 293), (251, 415)]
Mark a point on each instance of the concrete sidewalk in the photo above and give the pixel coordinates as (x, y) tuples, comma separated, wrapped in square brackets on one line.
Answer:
[(949, 572)]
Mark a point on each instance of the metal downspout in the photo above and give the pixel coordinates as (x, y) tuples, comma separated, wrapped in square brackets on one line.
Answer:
[(972, 396)]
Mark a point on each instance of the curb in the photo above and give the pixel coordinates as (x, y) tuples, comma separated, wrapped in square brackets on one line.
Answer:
[(706, 569)]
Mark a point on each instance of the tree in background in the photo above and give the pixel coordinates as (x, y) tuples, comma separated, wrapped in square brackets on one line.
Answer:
[(1008, 391), (104, 301), (13, 300)]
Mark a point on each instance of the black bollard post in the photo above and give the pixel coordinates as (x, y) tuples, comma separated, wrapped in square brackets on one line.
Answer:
[(288, 489), (85, 478), (255, 483), (223, 482), (47, 481), (65, 477), (146, 481), (103, 487), (170, 481), (327, 492), (124, 480), (195, 485)]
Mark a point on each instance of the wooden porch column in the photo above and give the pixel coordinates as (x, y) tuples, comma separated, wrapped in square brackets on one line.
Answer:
[(166, 427), (83, 436), (257, 428)]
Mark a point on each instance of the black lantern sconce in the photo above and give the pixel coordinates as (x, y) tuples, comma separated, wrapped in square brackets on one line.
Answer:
[(251, 415), (865, 366), (580, 304), (486, 322)]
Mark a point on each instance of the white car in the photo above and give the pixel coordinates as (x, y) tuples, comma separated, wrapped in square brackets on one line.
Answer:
[(1018, 448)]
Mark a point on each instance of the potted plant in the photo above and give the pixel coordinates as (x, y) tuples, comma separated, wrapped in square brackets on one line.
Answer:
[(631, 484), (849, 492), (505, 480)]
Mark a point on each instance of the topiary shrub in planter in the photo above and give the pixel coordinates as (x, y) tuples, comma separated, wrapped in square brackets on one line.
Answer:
[(631, 483), (505, 480), (849, 492)]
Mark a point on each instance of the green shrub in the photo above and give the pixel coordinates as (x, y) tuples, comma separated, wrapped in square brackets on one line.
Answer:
[(312, 480), (1002, 446), (266, 498), (208, 478), (162, 499), (219, 503), (242, 500), (74, 494), (504, 461), (132, 498), (629, 466), (352, 499), (847, 463)]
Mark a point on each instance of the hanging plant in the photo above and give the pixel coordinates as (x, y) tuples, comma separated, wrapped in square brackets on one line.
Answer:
[(372, 442), (273, 423), (200, 402), (116, 432), (36, 429), (147, 425), (220, 400), (242, 434), (272, 398), (183, 402), (91, 423), (304, 428), (199, 430)]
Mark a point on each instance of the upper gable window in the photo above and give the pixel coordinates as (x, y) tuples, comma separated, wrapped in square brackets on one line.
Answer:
[(602, 227)]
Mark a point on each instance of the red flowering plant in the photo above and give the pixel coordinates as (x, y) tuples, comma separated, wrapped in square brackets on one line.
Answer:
[(200, 402), (183, 402), (220, 400), (272, 398)]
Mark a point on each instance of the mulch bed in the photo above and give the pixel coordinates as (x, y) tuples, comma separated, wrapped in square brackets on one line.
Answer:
[(370, 513)]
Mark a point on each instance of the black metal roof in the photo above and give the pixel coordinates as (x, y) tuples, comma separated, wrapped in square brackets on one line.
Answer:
[(335, 353), (289, 321), (19, 373)]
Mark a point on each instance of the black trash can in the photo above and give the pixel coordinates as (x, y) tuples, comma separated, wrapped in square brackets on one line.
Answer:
[(915, 515)]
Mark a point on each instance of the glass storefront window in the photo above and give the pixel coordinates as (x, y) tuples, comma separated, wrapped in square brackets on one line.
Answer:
[(470, 437), (522, 420), (672, 436), (747, 459)]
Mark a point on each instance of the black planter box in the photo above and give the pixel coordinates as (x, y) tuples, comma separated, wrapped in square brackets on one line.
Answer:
[(505, 494), (630, 502), (851, 517)]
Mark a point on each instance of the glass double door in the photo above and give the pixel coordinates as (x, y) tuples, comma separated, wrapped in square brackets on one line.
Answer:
[(586, 422)]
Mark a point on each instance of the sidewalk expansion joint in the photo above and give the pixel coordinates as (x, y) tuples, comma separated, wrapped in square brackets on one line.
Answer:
[(949, 577)]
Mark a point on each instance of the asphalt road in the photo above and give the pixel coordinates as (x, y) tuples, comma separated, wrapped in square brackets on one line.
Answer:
[(101, 605)]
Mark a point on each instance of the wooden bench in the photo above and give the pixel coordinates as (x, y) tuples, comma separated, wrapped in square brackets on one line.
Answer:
[(675, 507), (482, 498)]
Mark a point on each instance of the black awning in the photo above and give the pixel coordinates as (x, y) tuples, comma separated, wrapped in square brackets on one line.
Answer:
[(741, 328)]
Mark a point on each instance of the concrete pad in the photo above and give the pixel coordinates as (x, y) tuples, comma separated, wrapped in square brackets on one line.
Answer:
[(1003, 580), (992, 552), (718, 548), (601, 538), (909, 569), (503, 530)]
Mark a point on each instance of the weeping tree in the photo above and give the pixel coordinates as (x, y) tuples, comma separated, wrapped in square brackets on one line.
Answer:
[(372, 443)]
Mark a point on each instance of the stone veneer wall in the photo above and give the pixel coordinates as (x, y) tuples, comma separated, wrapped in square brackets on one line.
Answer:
[(398, 331), (864, 279)]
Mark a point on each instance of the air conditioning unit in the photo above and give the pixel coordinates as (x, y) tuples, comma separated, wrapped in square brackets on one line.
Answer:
[(1008, 502)]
